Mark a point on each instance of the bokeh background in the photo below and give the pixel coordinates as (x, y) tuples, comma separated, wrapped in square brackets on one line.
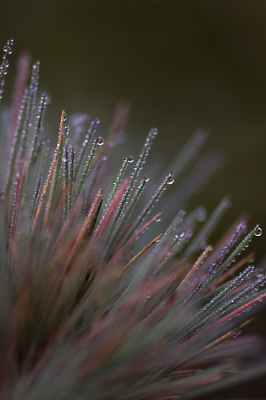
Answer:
[(181, 65)]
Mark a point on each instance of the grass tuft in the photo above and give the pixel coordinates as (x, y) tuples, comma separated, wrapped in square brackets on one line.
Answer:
[(100, 299)]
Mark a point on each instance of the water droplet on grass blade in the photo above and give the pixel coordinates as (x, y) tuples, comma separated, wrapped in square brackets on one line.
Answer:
[(258, 231), (259, 272), (146, 178), (170, 182)]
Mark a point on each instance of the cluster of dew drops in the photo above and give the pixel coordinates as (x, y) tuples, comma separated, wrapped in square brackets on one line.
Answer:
[(4, 66)]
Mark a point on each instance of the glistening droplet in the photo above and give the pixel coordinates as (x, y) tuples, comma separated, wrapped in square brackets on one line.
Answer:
[(258, 231), (259, 272), (170, 182), (100, 141), (146, 178)]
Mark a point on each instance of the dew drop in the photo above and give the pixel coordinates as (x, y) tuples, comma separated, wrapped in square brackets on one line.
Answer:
[(130, 159), (258, 231), (259, 272), (100, 141), (146, 178), (170, 182), (66, 130), (154, 132), (65, 117), (158, 219)]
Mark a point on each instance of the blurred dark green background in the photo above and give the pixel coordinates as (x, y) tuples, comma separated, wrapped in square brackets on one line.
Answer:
[(181, 65)]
